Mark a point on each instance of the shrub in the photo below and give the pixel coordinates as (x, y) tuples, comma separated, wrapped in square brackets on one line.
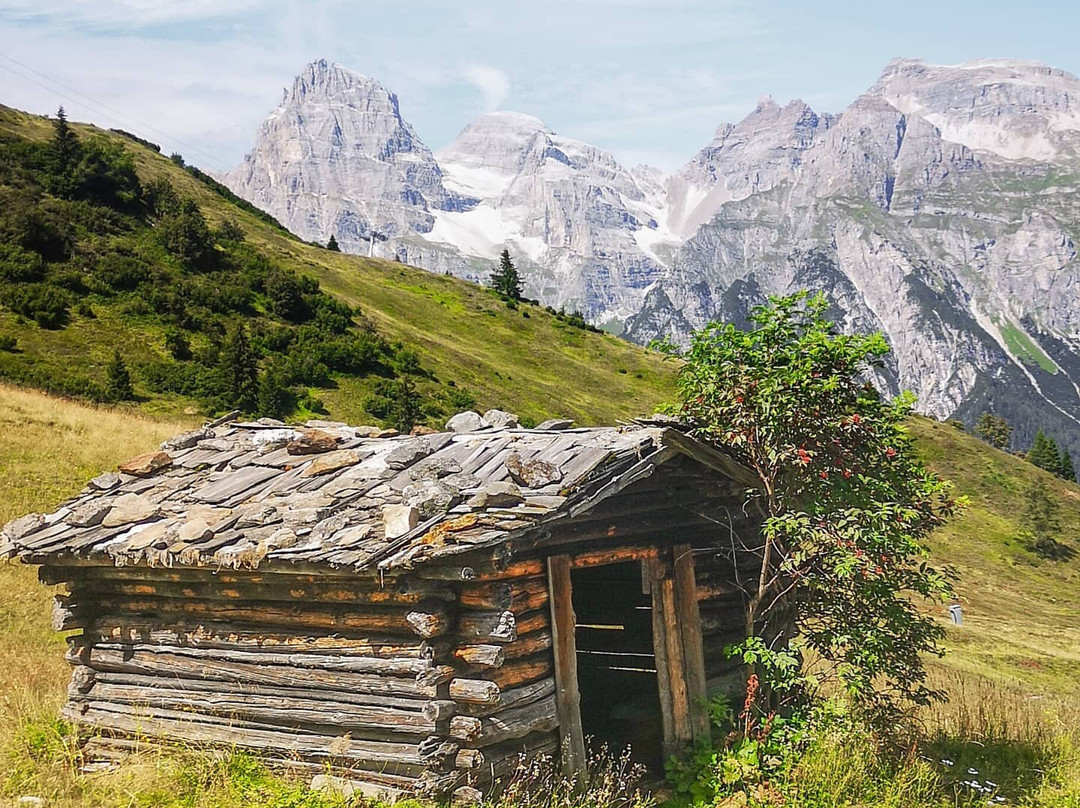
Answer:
[(177, 344), (20, 266), (46, 305)]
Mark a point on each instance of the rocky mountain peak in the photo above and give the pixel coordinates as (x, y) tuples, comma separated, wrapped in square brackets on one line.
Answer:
[(336, 157), (1015, 109)]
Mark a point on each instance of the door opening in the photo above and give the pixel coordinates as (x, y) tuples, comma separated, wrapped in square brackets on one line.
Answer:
[(616, 664)]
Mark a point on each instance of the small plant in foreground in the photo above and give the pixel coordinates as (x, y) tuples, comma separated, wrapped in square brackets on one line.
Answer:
[(609, 782)]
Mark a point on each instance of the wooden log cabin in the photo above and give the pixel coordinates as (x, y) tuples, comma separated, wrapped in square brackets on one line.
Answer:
[(410, 613)]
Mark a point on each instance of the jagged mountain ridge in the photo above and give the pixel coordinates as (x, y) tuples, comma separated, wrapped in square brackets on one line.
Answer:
[(937, 207)]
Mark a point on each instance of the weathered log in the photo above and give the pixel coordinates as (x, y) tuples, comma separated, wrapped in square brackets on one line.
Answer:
[(518, 596), (521, 671), (494, 626), (440, 709), (479, 570), (474, 691), (259, 592), (611, 555), (502, 761), (511, 698), (168, 664), (469, 759), (375, 723), (480, 656), (66, 614), (539, 716), (436, 750), (429, 623), (420, 670), (415, 705), (435, 676), (180, 726), (528, 644), (132, 630), (102, 747)]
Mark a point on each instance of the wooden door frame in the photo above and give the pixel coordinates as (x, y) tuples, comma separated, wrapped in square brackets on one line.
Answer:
[(668, 575)]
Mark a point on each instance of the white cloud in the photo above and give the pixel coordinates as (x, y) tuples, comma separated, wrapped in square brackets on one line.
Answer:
[(493, 83), (124, 13)]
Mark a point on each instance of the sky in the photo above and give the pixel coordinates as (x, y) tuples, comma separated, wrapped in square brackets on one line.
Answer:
[(648, 80)]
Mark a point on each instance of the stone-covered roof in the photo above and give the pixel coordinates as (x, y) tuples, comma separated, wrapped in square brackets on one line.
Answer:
[(241, 494)]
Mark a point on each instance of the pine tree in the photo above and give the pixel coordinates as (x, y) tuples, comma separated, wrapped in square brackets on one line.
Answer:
[(274, 399), (238, 371), (1044, 453), (1066, 468), (65, 146), (994, 429), (1042, 522), (118, 380), (332, 244), (404, 411), (505, 280)]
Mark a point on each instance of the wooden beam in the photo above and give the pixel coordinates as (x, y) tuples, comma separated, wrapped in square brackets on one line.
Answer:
[(689, 620), (567, 695), (663, 671)]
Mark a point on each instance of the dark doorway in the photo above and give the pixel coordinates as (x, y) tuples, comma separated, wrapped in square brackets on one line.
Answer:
[(616, 665)]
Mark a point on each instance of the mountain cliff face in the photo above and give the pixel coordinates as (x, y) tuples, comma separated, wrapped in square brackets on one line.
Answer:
[(337, 157), (940, 207)]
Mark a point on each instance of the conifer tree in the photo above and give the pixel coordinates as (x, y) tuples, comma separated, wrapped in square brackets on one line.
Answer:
[(118, 380), (238, 371), (65, 146), (1044, 453), (332, 244), (274, 399), (1066, 468), (1042, 522), (994, 429), (405, 404), (505, 280)]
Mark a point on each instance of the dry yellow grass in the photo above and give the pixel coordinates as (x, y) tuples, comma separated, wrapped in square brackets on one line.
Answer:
[(49, 447)]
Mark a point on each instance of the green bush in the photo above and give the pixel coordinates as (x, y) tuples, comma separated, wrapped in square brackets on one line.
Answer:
[(46, 305), (20, 266)]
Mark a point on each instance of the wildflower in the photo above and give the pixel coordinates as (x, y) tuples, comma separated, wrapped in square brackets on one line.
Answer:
[(946, 762), (973, 771)]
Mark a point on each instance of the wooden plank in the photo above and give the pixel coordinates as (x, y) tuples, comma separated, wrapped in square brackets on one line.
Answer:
[(567, 696), (660, 650), (672, 637), (689, 620)]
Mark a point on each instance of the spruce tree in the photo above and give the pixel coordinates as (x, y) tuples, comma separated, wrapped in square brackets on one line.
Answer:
[(994, 429), (1042, 522), (118, 380), (274, 399), (405, 405), (1044, 453), (505, 280), (238, 371), (332, 244), (65, 145), (1066, 468)]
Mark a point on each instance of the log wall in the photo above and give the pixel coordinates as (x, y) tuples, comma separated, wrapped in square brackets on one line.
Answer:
[(417, 683)]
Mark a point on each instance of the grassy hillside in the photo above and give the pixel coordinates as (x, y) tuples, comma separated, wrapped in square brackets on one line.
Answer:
[(520, 358), (1021, 612)]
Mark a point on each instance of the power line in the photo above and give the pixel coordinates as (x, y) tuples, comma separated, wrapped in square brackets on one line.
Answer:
[(102, 107)]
